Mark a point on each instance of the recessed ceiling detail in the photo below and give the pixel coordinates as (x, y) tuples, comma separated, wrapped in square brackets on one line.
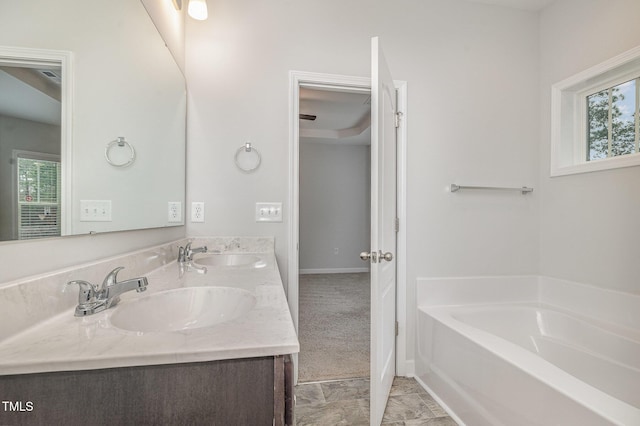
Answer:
[(341, 117)]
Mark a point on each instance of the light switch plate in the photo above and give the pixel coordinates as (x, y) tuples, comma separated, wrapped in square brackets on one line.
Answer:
[(268, 212), (95, 210)]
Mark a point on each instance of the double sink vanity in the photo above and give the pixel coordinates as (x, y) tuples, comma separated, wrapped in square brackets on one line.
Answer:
[(207, 338), (203, 340)]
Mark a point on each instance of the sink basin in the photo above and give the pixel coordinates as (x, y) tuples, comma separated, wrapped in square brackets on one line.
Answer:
[(183, 309), (239, 260)]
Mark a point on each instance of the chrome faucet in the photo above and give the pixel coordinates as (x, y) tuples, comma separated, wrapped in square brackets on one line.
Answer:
[(185, 254), (92, 299), (190, 266)]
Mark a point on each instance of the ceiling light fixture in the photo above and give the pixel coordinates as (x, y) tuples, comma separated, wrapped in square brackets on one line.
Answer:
[(198, 9)]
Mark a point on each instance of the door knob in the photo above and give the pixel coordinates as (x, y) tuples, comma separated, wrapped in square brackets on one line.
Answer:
[(388, 256), (373, 256)]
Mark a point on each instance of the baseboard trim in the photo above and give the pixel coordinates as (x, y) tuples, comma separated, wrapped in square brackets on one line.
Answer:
[(406, 368), (332, 271)]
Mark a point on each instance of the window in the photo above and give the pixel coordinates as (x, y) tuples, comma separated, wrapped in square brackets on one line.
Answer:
[(595, 117), (38, 193), (612, 121)]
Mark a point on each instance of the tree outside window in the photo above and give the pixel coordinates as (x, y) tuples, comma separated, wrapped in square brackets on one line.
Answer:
[(612, 122)]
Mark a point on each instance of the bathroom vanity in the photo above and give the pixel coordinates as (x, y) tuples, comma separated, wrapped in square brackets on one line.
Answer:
[(171, 354), (251, 391)]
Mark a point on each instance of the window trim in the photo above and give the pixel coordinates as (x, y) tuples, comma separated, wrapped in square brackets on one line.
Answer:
[(568, 115)]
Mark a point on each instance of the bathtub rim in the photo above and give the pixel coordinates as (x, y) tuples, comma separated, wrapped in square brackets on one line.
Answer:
[(606, 406), (608, 326)]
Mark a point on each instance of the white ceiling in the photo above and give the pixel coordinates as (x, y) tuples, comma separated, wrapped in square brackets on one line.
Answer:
[(342, 117), (518, 4), (20, 100)]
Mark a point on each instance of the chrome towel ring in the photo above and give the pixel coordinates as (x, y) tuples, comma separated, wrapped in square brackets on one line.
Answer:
[(247, 158), (121, 159)]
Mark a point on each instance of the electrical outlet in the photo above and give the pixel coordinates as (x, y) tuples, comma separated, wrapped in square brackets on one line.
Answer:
[(175, 212), (197, 211)]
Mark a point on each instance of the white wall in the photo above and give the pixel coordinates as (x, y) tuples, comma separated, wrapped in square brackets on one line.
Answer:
[(590, 227), (472, 73), (334, 205)]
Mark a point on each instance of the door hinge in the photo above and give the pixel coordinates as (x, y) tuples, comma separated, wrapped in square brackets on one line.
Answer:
[(398, 116), (397, 225), (397, 326)]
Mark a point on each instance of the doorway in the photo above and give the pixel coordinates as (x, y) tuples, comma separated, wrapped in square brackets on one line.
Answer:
[(35, 127), (334, 283), (299, 80), (403, 365)]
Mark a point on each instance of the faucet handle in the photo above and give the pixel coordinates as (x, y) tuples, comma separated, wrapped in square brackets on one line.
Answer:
[(87, 293), (111, 278)]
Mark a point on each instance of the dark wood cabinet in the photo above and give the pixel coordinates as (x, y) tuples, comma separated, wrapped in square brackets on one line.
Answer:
[(251, 391)]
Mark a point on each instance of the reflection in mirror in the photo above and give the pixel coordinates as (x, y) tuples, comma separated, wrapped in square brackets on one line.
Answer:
[(30, 175), (58, 175)]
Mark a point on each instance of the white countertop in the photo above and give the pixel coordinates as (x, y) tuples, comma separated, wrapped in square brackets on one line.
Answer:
[(66, 342)]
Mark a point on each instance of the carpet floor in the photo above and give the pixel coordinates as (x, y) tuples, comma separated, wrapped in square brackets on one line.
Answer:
[(334, 326)]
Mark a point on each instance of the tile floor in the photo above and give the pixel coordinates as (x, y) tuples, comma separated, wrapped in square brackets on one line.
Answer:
[(346, 402)]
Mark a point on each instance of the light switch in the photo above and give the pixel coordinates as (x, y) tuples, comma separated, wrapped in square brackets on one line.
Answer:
[(95, 210), (268, 212)]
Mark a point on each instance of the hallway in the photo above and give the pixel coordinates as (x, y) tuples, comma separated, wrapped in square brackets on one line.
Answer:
[(334, 326)]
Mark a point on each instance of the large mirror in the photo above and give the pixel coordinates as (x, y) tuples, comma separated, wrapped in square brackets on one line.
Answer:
[(92, 120)]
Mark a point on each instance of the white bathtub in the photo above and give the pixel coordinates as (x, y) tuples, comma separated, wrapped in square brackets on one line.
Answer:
[(522, 360)]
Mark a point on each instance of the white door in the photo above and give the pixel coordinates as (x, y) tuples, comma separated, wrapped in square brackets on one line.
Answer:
[(383, 232)]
